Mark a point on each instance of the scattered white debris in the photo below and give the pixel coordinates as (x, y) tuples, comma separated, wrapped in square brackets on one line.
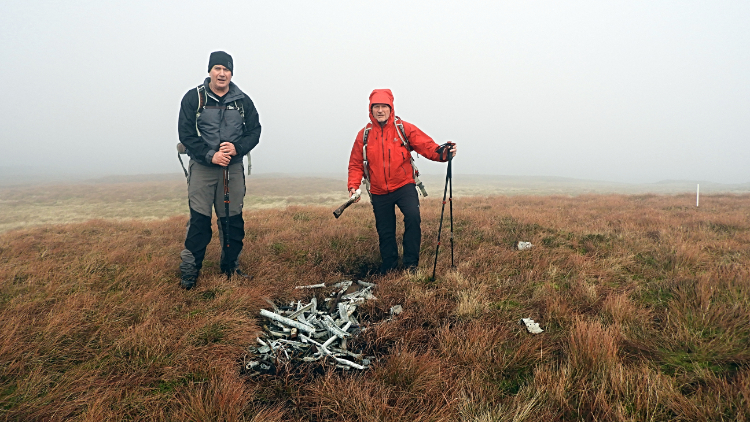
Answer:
[(292, 332), (396, 309), (522, 246), (531, 326)]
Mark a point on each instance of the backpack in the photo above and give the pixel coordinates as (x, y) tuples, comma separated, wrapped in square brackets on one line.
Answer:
[(236, 105), (405, 142)]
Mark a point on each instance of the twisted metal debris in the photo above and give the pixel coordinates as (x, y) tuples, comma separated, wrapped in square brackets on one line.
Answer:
[(302, 332)]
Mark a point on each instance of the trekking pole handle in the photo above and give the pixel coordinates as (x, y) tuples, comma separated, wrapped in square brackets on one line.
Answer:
[(444, 151)]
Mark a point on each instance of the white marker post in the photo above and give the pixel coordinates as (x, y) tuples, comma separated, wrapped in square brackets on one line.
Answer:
[(698, 195)]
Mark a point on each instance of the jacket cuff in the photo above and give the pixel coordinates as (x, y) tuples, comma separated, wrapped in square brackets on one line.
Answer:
[(210, 156)]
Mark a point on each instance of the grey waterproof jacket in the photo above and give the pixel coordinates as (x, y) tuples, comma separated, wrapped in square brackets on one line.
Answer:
[(219, 121)]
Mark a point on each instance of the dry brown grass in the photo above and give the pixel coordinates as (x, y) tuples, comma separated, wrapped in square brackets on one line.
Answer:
[(644, 299)]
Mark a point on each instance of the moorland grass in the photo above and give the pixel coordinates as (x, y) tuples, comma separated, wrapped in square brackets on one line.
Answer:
[(130, 198), (644, 299)]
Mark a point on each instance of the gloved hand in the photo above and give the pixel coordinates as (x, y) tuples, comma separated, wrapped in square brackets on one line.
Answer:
[(445, 149)]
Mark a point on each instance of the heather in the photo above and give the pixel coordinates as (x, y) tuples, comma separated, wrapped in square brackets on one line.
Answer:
[(644, 300)]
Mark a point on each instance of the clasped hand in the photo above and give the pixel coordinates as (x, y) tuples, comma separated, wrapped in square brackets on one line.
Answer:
[(224, 155)]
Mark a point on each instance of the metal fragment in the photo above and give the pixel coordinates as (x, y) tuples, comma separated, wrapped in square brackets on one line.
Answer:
[(332, 328), (348, 363), (301, 310), (366, 284), (312, 286), (287, 321), (343, 285), (344, 312), (330, 340)]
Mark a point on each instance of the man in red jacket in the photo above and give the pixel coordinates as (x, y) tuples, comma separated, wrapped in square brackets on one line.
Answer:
[(391, 176)]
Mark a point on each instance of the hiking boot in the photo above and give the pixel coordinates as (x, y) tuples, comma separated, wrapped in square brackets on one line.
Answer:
[(237, 272), (187, 282)]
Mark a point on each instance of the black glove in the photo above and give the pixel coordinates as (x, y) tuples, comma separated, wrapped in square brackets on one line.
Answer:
[(444, 151)]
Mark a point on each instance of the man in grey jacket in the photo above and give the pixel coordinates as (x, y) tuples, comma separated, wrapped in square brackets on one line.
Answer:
[(218, 125)]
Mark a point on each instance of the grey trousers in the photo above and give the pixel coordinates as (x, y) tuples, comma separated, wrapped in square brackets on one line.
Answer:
[(206, 188), (206, 192)]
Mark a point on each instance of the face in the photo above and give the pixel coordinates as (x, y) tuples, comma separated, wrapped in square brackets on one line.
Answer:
[(381, 112), (220, 77)]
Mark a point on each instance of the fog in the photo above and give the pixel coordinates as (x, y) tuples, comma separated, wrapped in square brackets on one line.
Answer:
[(624, 91)]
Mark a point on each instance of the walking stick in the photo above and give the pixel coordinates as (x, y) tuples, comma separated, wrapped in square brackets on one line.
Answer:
[(448, 183), (226, 211), (450, 199)]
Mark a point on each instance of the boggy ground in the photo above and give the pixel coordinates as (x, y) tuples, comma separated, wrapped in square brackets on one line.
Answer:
[(644, 299)]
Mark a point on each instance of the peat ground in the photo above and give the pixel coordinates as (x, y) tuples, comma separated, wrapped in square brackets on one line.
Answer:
[(644, 298)]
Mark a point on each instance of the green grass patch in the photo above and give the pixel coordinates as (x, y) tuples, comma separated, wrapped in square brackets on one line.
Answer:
[(209, 294), (653, 295), (505, 305), (278, 248), (8, 397), (169, 386), (693, 361), (209, 334)]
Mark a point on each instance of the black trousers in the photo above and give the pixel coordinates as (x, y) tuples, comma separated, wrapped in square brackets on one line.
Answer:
[(385, 222), (199, 235)]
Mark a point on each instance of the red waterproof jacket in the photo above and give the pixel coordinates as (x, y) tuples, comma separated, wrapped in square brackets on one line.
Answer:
[(388, 159)]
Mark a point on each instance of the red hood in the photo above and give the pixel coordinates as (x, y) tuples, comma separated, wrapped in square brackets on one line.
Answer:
[(381, 96)]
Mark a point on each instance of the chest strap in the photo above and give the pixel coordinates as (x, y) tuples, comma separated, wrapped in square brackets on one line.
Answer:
[(365, 164)]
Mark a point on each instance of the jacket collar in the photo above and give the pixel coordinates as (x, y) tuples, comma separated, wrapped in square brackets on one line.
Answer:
[(235, 93)]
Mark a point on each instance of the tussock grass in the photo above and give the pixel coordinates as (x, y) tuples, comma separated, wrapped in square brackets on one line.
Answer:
[(644, 300)]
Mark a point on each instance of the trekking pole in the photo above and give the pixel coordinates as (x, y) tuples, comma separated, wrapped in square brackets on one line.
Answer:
[(448, 180), (450, 200), (226, 211)]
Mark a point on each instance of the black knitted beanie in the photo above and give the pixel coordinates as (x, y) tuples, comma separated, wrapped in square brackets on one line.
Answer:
[(222, 58)]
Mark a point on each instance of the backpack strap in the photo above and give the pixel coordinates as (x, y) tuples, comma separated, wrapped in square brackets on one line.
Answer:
[(201, 89), (181, 150), (365, 164), (201, 105), (405, 141), (239, 107)]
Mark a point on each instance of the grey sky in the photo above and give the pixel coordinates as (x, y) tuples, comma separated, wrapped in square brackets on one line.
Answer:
[(630, 91)]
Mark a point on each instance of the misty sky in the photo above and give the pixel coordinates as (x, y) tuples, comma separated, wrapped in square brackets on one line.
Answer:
[(628, 91)]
